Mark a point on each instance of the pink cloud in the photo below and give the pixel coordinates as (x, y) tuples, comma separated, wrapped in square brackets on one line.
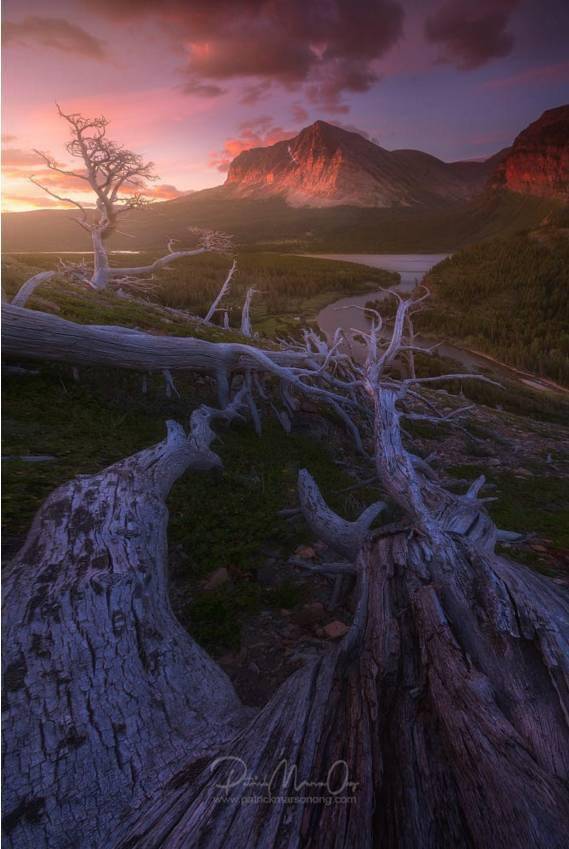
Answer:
[(258, 132), (330, 45)]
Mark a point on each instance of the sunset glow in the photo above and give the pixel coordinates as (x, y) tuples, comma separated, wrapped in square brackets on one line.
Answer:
[(190, 84)]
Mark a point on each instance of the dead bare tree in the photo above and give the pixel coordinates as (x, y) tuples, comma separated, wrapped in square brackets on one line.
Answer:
[(118, 178), (439, 721)]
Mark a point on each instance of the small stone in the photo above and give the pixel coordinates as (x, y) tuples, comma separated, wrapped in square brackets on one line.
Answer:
[(539, 548), (309, 614), (216, 579), (254, 668), (335, 630), (306, 552)]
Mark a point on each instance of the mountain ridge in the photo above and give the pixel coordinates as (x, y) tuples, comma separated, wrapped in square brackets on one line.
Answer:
[(268, 219), (538, 161), (326, 165)]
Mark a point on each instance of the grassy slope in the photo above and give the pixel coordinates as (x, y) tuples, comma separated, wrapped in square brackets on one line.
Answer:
[(105, 417), (291, 290), (271, 224), (507, 297), (228, 521)]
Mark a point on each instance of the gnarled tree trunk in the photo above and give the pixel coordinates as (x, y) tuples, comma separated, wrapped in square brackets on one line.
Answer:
[(440, 721), (104, 690)]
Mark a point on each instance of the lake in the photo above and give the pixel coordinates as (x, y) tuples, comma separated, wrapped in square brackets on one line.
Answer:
[(411, 267)]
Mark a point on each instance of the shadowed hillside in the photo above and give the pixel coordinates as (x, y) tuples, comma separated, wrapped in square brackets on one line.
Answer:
[(272, 224)]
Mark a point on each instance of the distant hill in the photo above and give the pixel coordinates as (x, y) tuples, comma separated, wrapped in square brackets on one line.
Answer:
[(271, 224), (332, 190), (325, 165)]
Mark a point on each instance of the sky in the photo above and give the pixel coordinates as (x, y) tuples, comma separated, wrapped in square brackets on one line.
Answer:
[(191, 83)]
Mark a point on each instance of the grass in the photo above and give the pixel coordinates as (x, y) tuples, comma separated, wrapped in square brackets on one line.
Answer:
[(217, 519), (290, 291), (537, 504)]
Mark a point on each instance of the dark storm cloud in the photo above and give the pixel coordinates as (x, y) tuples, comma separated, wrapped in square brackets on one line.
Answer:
[(53, 32), (472, 33), (330, 44)]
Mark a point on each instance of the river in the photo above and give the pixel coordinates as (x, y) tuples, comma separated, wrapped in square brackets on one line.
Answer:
[(347, 313)]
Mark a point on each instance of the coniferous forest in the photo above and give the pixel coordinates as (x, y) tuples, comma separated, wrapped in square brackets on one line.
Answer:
[(509, 298)]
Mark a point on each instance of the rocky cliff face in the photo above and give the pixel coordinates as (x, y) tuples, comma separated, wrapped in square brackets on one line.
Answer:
[(538, 161), (325, 165)]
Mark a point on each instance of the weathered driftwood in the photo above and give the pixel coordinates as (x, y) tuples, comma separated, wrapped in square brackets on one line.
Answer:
[(344, 537), (25, 291), (441, 719), (419, 717), (104, 690), (246, 325), (35, 335), (225, 288)]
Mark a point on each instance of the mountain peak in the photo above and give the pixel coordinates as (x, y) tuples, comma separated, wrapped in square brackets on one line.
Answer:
[(327, 165)]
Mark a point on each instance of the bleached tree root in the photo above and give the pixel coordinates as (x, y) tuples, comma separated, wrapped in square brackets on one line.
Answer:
[(441, 716), (344, 537), (443, 711)]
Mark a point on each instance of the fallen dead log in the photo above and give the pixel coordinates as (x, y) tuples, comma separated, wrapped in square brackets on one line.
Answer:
[(104, 690), (440, 721), (36, 335)]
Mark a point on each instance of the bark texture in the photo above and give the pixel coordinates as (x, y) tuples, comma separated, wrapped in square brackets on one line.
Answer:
[(104, 690), (444, 709)]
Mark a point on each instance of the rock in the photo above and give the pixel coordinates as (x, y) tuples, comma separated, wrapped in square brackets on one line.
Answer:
[(309, 614), (538, 161), (305, 552), (216, 579), (336, 629)]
